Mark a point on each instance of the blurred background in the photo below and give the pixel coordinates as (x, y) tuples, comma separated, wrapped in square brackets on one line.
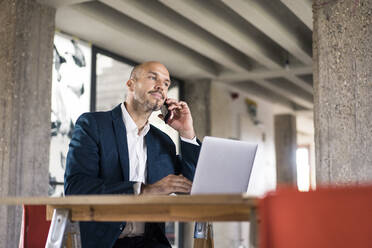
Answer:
[(245, 67), (239, 64)]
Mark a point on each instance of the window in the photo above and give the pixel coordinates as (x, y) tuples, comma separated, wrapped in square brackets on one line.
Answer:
[(303, 168), (70, 98)]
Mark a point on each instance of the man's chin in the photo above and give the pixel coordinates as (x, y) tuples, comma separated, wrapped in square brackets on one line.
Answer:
[(156, 107)]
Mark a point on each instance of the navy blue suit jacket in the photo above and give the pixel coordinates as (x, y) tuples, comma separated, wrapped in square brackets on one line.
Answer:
[(98, 163)]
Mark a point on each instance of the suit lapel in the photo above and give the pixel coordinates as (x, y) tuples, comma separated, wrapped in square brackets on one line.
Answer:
[(151, 155), (121, 140)]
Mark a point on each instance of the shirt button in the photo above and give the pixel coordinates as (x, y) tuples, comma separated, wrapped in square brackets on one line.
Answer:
[(121, 227)]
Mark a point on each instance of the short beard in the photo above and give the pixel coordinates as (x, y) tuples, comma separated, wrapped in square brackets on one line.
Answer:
[(146, 106), (154, 107)]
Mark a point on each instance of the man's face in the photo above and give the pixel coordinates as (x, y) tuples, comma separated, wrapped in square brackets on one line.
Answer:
[(151, 86)]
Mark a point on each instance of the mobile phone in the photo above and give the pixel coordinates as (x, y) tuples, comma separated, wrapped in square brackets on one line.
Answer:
[(165, 112)]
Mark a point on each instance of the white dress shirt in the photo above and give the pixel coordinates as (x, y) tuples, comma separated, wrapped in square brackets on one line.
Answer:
[(137, 152)]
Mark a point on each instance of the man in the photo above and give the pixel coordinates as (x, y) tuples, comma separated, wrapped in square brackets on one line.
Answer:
[(118, 152)]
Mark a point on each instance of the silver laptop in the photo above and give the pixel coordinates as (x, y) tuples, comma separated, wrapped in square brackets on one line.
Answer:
[(224, 166)]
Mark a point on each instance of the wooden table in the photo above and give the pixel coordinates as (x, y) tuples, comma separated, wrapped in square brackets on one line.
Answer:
[(143, 208)]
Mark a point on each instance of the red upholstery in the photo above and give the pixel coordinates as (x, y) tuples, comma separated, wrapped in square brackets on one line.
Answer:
[(327, 217), (35, 227)]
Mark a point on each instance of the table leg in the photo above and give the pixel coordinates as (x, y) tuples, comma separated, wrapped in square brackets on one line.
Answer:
[(253, 229), (203, 235), (72, 237), (201, 230), (57, 228)]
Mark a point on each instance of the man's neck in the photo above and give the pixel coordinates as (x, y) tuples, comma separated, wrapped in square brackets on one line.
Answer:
[(139, 117)]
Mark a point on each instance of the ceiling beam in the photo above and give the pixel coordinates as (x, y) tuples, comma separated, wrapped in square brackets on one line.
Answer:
[(300, 83), (305, 113), (291, 95), (61, 3), (264, 93), (249, 89), (266, 20), (264, 74), (126, 37), (211, 20), (302, 9), (168, 23)]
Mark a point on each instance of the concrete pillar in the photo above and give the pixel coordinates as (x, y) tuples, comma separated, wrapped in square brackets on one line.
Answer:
[(342, 52), (26, 56), (285, 149), (197, 95)]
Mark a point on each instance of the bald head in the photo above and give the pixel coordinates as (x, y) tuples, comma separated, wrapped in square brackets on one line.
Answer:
[(138, 70)]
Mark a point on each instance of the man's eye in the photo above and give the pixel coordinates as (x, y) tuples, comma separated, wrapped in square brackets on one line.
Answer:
[(167, 84), (153, 77)]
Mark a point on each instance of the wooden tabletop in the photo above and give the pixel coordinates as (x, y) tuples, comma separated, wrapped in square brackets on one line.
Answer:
[(146, 207)]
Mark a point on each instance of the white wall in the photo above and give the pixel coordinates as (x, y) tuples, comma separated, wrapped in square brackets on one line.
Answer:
[(230, 119)]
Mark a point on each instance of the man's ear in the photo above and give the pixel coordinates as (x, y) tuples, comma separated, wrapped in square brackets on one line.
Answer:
[(130, 84)]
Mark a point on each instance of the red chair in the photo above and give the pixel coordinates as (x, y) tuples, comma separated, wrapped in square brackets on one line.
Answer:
[(328, 217), (35, 227)]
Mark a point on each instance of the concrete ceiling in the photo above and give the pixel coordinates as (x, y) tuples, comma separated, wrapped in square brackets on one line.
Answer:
[(259, 45)]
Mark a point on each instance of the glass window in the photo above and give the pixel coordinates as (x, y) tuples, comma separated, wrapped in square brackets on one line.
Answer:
[(70, 98), (110, 82), (303, 168)]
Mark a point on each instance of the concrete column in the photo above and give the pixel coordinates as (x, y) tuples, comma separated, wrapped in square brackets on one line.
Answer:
[(197, 95), (285, 149), (26, 56), (342, 52)]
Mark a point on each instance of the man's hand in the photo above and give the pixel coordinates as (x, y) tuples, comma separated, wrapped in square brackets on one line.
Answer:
[(180, 118), (167, 185)]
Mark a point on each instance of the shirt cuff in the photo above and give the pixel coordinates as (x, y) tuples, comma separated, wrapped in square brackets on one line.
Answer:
[(137, 188), (191, 141)]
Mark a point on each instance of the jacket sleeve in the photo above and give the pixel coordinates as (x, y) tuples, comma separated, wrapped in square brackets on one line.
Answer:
[(189, 158), (83, 161)]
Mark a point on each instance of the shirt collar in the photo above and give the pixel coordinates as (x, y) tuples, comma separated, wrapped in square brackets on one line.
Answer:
[(130, 125)]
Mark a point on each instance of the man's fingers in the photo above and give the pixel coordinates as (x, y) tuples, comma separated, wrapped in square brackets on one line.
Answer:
[(177, 108), (182, 103), (183, 184), (181, 106), (171, 100), (178, 182), (180, 189), (174, 107), (169, 184), (181, 179)]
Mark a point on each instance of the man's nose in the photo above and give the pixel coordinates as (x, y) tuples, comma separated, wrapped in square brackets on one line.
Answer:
[(160, 85)]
